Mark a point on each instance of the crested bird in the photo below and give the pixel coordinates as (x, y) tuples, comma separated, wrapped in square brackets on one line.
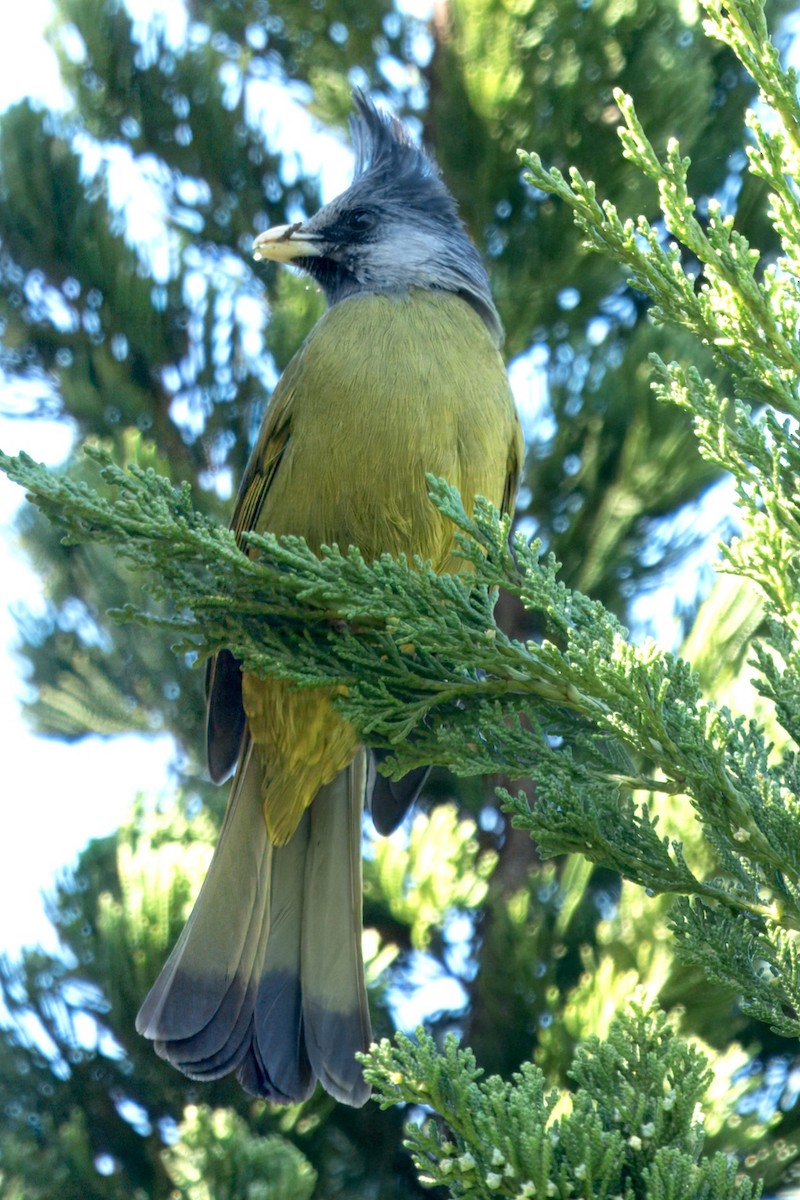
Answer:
[(401, 376)]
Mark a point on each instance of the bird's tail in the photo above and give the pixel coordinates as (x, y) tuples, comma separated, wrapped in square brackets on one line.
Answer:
[(267, 977)]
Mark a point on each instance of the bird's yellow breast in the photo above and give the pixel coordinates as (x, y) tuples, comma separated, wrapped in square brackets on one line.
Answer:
[(384, 390)]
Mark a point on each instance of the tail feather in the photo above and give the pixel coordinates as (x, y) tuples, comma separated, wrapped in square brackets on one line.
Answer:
[(205, 1053), (256, 1079), (219, 1047), (335, 1008), (227, 1059), (267, 977), (199, 1008), (279, 1047)]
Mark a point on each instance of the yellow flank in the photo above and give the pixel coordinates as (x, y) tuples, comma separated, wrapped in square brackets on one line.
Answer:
[(384, 390)]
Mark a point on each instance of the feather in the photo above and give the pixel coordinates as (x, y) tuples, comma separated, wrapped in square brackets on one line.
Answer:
[(390, 799), (201, 1003), (335, 1010), (278, 1043), (225, 719), (271, 953)]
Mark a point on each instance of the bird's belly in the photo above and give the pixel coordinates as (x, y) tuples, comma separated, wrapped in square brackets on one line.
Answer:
[(372, 493)]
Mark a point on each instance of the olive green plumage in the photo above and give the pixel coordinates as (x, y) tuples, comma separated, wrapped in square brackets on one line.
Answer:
[(401, 376), (359, 403)]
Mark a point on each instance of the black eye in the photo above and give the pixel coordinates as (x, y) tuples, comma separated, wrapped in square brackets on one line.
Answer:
[(359, 220)]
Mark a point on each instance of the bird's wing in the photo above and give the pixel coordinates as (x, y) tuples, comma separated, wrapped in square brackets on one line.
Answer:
[(267, 453), (391, 799), (516, 458), (225, 717)]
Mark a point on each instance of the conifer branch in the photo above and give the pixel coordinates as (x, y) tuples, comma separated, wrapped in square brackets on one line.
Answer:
[(629, 1128), (748, 315), (428, 675)]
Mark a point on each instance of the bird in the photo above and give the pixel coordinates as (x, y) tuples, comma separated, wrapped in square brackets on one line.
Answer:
[(401, 376)]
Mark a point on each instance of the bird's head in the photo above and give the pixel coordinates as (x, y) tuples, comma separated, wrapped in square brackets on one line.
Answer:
[(395, 228)]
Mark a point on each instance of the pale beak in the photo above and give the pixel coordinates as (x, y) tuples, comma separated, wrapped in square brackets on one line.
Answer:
[(283, 243)]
